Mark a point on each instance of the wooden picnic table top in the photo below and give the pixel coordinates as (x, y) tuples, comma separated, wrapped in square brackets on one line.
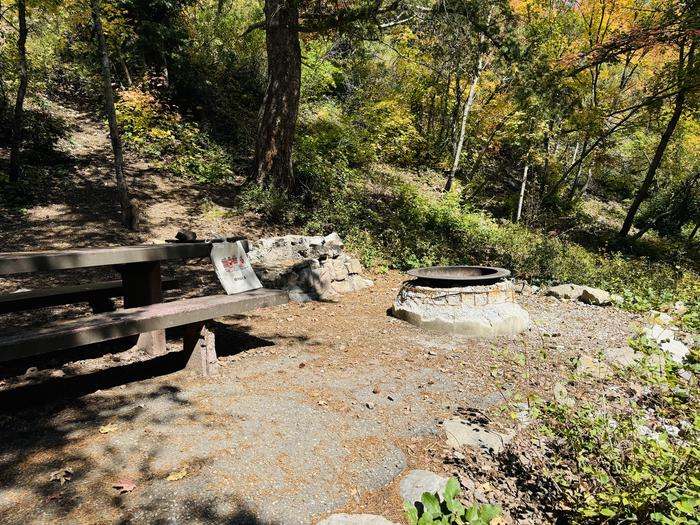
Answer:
[(28, 262)]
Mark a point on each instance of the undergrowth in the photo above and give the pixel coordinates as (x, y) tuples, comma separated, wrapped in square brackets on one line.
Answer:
[(632, 462), (160, 134), (392, 223)]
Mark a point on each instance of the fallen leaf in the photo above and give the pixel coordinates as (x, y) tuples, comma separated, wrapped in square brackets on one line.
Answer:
[(110, 427), (124, 486), (177, 475), (63, 475)]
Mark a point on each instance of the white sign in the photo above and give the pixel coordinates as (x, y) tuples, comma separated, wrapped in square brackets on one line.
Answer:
[(233, 267)]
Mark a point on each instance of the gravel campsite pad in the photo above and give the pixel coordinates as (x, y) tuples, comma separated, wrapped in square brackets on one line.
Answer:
[(320, 407)]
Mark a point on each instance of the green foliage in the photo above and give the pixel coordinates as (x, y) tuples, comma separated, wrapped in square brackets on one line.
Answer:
[(612, 467), (432, 510), (160, 134)]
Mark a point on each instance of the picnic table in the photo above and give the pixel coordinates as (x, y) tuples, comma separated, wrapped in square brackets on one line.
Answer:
[(144, 312)]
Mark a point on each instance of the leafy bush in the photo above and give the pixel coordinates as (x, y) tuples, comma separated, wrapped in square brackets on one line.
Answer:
[(449, 511), (612, 467), (159, 133)]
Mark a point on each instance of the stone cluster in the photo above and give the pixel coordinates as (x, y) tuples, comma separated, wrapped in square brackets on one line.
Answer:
[(310, 268), (482, 311)]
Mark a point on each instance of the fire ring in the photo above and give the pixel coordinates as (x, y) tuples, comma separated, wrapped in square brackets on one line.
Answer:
[(450, 276)]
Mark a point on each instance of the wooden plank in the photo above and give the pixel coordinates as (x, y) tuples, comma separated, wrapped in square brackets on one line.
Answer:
[(141, 283), (123, 323), (81, 293), (28, 262)]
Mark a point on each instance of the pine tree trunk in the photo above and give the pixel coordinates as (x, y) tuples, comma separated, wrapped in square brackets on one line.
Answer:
[(278, 116), (129, 215), (15, 166)]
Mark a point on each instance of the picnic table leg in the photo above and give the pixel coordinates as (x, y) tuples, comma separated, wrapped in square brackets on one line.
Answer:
[(199, 349), (143, 286)]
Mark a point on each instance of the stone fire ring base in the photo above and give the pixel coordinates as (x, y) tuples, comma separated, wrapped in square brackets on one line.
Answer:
[(478, 311)]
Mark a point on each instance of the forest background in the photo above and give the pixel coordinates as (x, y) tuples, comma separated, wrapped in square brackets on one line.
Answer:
[(557, 138)]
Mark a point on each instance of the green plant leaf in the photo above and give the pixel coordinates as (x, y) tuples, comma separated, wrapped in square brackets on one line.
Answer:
[(411, 513), (431, 503)]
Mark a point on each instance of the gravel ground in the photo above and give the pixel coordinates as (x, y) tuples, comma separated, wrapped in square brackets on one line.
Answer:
[(319, 407)]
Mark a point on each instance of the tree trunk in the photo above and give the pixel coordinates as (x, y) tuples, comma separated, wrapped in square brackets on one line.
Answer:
[(278, 116), (643, 192), (462, 131), (125, 69), (21, 92), (692, 234), (522, 194), (129, 215), (467, 108), (577, 178)]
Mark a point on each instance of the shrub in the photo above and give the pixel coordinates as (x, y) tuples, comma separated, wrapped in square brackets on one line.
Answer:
[(431, 510), (629, 464), (159, 133)]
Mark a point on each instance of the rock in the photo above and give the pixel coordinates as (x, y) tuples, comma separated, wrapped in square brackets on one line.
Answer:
[(590, 366), (417, 482), (308, 267), (595, 296), (565, 291), (32, 371), (561, 395), (355, 519), (679, 307), (659, 334), (334, 240), (676, 350), (659, 318), (460, 433), (623, 356), (353, 266), (370, 405)]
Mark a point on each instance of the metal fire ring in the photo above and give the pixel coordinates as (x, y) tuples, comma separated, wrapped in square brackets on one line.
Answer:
[(458, 275)]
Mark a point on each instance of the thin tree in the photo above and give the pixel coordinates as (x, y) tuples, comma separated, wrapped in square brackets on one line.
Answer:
[(467, 108), (128, 208), (17, 121), (685, 65)]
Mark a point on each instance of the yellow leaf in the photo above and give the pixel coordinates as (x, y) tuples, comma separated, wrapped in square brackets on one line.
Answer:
[(177, 475), (106, 429)]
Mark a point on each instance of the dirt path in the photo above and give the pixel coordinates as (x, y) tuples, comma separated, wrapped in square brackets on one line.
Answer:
[(285, 434), (74, 199)]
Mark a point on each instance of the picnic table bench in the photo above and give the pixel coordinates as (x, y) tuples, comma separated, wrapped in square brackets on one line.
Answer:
[(144, 313)]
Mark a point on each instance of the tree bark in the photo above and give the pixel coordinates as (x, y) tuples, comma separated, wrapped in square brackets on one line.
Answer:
[(16, 143), (128, 211), (692, 234), (467, 108), (278, 115), (678, 108), (522, 194), (462, 131)]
